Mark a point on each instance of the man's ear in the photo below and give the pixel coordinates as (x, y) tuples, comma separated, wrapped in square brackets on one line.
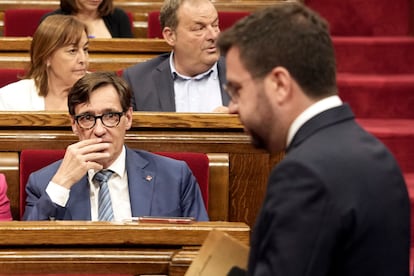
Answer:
[(280, 84), (73, 124), (128, 116), (169, 36)]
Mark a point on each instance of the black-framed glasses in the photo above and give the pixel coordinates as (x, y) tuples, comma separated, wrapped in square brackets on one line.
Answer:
[(108, 119)]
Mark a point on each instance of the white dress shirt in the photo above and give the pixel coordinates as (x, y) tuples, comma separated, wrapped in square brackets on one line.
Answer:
[(201, 93), (310, 112), (118, 189)]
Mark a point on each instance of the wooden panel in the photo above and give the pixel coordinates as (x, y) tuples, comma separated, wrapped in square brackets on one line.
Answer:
[(56, 233), (139, 9), (103, 247), (218, 208), (105, 54), (181, 261), (221, 134), (110, 62), (139, 6), (96, 45), (92, 262)]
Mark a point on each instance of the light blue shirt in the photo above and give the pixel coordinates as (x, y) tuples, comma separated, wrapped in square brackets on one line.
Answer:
[(200, 93)]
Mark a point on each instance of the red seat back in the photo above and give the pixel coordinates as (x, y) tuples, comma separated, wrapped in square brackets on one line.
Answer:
[(22, 22), (8, 75), (34, 159), (226, 20)]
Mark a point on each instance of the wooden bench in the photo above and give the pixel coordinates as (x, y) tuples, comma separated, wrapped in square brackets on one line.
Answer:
[(100, 247), (105, 54), (139, 9), (239, 171)]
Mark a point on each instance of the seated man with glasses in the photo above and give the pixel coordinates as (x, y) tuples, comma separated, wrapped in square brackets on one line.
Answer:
[(99, 177)]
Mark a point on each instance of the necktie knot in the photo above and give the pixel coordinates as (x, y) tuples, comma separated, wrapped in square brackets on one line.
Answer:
[(102, 176)]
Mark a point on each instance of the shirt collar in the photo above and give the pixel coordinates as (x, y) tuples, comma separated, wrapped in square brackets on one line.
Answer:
[(117, 167), (175, 75), (310, 112)]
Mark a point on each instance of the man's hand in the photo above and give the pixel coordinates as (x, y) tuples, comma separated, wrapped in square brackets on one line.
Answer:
[(221, 109), (78, 159)]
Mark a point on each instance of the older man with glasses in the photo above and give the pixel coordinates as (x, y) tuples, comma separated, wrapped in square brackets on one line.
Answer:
[(99, 177)]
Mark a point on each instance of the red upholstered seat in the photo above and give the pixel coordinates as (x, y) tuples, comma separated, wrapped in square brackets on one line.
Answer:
[(226, 20), (22, 22), (34, 159), (8, 75)]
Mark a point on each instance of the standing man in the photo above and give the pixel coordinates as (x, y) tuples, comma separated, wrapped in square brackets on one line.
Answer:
[(190, 78), (337, 204), (139, 183)]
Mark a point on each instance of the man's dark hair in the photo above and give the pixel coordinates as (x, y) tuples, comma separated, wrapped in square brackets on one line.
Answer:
[(85, 86), (289, 35)]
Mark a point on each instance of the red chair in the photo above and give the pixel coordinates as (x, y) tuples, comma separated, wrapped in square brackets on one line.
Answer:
[(34, 159), (22, 22), (226, 20), (8, 75)]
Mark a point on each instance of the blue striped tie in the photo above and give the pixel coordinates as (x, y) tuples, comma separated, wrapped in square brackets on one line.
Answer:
[(105, 212)]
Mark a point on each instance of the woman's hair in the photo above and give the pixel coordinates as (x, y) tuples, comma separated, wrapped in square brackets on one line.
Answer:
[(72, 7), (55, 32)]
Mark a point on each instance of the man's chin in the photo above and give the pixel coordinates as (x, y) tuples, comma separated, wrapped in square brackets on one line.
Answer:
[(257, 141), (212, 57)]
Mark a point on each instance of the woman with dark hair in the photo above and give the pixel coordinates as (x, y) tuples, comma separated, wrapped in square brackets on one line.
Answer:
[(58, 58), (102, 18)]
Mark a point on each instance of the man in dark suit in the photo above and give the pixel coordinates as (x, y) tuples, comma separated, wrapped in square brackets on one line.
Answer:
[(140, 183), (337, 204), (190, 78)]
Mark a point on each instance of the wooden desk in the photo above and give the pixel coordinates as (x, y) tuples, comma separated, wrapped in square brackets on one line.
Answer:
[(139, 9), (101, 247), (105, 54), (96, 45), (209, 133)]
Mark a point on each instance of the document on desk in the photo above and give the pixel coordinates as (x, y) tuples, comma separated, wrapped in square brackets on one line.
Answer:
[(219, 254), (155, 219)]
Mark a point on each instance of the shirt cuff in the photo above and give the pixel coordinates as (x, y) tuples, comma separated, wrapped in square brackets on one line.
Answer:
[(58, 194)]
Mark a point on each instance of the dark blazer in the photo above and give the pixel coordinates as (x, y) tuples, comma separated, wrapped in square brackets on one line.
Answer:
[(337, 204), (153, 86), (118, 22), (171, 190)]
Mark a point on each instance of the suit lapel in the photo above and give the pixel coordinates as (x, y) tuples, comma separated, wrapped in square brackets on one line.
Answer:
[(222, 79), (79, 204), (164, 84), (140, 182), (322, 120)]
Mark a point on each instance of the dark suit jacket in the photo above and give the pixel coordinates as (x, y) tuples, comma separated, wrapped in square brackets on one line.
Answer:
[(117, 22), (153, 86), (337, 204), (171, 191)]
